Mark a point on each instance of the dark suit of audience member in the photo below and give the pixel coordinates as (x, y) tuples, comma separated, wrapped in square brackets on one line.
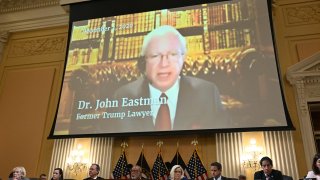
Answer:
[(267, 173), (136, 173), (215, 170), (194, 103), (274, 175), (94, 171), (285, 177)]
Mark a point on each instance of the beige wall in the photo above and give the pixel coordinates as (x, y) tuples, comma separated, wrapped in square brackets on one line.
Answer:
[(31, 73), (297, 33)]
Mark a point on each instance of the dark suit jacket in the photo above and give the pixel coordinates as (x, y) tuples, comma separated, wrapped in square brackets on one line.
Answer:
[(222, 178), (98, 178), (275, 175), (199, 106)]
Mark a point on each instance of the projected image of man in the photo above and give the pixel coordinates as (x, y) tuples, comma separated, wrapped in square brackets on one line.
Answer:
[(183, 102)]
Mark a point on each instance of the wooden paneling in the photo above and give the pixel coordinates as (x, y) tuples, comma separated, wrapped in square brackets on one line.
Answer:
[(31, 74)]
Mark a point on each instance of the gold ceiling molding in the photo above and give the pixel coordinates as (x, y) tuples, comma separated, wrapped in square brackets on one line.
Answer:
[(303, 14), (38, 46), (7, 6)]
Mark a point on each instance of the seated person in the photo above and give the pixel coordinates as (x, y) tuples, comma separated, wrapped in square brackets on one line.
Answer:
[(315, 173), (19, 173), (57, 174), (267, 173), (43, 177), (216, 169), (177, 173), (94, 171), (136, 173)]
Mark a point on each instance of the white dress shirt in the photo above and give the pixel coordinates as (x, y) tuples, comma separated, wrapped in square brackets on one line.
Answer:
[(172, 101)]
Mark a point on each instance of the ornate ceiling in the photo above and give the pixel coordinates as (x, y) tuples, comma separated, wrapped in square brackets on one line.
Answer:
[(7, 6)]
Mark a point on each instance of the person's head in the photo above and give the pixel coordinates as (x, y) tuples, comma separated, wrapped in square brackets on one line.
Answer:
[(242, 177), (57, 174), (316, 164), (176, 172), (43, 177), (215, 169), (163, 50), (136, 172), (19, 172), (266, 164), (94, 170)]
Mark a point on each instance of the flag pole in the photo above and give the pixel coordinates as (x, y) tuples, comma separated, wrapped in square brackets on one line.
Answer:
[(123, 147), (195, 144), (159, 144), (142, 153), (177, 152)]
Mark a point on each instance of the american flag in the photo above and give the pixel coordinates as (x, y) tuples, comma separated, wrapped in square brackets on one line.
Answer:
[(159, 170), (142, 162), (121, 170), (195, 167)]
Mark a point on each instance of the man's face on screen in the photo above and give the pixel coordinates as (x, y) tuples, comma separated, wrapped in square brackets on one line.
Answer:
[(164, 60)]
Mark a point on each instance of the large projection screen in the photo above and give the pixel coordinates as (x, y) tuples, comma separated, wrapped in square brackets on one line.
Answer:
[(215, 63)]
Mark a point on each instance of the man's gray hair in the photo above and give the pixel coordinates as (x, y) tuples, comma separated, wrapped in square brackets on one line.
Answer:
[(163, 31)]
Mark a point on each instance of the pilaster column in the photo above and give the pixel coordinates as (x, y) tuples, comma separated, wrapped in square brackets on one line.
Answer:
[(3, 40)]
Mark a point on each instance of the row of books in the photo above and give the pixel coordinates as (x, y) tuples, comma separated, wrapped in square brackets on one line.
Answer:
[(145, 22), (227, 13), (93, 29), (186, 18), (134, 23), (80, 56), (194, 44), (230, 38), (128, 47)]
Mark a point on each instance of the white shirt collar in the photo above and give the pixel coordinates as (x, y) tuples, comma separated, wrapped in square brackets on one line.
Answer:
[(172, 94)]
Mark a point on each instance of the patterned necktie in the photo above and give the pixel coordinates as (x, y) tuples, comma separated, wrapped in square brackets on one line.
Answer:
[(163, 121)]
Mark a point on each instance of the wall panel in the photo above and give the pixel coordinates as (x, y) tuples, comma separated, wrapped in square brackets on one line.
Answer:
[(29, 90)]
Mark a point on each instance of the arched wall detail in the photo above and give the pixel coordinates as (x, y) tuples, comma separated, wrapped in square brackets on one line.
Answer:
[(305, 78)]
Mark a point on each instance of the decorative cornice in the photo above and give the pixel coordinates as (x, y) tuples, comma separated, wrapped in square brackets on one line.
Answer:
[(303, 14), (314, 68), (50, 16), (37, 46), (4, 36), (308, 67), (312, 80), (7, 6)]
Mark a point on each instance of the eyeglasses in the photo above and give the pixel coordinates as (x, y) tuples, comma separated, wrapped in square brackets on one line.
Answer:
[(177, 171), (173, 56), (265, 165)]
